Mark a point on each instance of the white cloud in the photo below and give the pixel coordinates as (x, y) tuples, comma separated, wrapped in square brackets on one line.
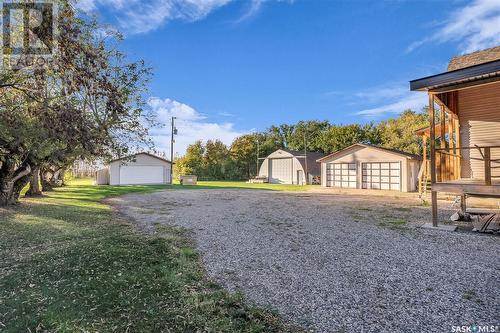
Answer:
[(381, 93), (475, 27), (225, 114), (136, 16), (191, 126), (171, 108), (142, 16), (413, 100), (390, 100), (255, 7)]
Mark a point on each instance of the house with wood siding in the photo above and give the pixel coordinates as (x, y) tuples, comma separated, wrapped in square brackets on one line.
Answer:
[(464, 134)]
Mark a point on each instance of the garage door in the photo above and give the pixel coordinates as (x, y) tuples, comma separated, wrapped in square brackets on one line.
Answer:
[(141, 175), (281, 170), (341, 175), (382, 175)]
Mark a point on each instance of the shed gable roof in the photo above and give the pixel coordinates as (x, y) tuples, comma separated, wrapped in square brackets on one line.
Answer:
[(365, 145), (142, 153)]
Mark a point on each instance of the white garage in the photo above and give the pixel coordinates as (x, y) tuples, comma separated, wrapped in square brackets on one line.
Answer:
[(291, 167), (365, 166), (138, 169)]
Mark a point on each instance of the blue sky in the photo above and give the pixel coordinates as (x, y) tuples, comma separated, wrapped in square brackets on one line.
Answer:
[(228, 67)]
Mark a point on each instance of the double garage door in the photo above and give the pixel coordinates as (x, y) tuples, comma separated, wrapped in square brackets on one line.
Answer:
[(381, 175), (374, 175), (341, 175)]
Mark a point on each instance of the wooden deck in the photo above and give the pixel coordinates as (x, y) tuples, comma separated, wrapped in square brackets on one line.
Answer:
[(470, 186)]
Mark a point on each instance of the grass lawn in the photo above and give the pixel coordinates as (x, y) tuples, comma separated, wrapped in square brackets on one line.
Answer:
[(244, 185), (68, 263)]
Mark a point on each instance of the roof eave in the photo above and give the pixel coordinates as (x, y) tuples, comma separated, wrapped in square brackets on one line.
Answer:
[(488, 70), (133, 155), (406, 155)]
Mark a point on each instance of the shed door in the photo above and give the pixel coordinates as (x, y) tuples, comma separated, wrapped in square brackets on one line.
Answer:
[(382, 175), (280, 170), (341, 175), (142, 174)]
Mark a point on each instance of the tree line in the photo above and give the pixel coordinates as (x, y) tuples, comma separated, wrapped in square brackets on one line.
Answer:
[(85, 104), (213, 160)]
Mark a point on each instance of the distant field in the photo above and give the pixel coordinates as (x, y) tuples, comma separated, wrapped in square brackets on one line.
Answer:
[(69, 263)]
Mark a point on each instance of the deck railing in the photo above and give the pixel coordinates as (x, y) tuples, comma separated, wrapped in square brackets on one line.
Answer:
[(449, 162)]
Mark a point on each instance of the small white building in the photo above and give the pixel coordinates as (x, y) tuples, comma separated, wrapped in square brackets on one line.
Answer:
[(365, 166), (137, 169), (290, 167)]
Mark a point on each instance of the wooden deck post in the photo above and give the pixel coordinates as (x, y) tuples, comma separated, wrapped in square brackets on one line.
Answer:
[(459, 152), (487, 166), (454, 148), (432, 115), (463, 203), (443, 165)]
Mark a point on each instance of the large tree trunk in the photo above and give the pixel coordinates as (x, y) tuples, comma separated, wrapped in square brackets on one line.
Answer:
[(62, 174), (34, 189), (46, 180), (11, 185), (50, 179)]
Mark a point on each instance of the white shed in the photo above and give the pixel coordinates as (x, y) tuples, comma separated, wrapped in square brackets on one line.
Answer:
[(365, 166), (290, 167), (141, 168)]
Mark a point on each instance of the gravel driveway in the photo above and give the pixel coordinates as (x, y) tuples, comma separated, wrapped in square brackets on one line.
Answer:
[(334, 263)]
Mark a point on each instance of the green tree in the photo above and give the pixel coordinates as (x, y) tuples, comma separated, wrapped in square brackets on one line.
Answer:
[(192, 162), (399, 133), (313, 131), (215, 159), (88, 103), (338, 137), (243, 153), (280, 135)]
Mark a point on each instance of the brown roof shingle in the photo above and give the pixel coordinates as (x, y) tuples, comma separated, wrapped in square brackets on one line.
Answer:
[(474, 58)]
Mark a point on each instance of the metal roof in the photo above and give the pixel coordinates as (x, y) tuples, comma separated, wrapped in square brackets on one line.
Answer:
[(464, 75)]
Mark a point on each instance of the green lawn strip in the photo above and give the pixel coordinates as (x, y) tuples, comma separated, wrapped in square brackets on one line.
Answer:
[(394, 223), (103, 191), (244, 185), (68, 263)]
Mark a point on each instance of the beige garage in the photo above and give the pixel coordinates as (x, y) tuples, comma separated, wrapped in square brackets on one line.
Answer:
[(141, 168), (365, 166)]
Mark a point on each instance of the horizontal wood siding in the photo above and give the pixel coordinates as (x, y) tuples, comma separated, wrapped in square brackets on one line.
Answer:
[(479, 113)]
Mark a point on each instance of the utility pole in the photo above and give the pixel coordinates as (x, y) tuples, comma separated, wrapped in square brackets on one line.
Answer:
[(257, 160), (305, 157), (174, 132)]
